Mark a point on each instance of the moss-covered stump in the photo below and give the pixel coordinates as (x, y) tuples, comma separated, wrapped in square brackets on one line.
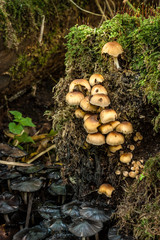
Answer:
[(133, 91)]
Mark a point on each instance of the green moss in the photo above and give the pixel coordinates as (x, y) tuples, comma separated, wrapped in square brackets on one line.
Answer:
[(140, 39)]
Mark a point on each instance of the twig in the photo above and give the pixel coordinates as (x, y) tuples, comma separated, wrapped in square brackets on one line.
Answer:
[(42, 153), (100, 9), (109, 8), (131, 6), (42, 30), (96, 14), (15, 163)]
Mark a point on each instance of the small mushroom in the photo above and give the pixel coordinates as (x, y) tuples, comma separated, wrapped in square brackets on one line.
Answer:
[(96, 79), (126, 157), (108, 115), (106, 128), (125, 127), (79, 113), (58, 189), (114, 149), (106, 189), (36, 233), (85, 228), (49, 210), (79, 82), (96, 139), (87, 106), (71, 209), (74, 98), (91, 124), (87, 115), (98, 89), (8, 203), (114, 49), (100, 100), (114, 138)]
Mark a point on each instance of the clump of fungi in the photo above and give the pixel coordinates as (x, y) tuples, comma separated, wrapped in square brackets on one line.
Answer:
[(99, 119)]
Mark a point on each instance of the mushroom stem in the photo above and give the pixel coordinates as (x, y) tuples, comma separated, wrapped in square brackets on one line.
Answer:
[(6, 218), (96, 236), (25, 195), (116, 63), (83, 238), (9, 185), (29, 209)]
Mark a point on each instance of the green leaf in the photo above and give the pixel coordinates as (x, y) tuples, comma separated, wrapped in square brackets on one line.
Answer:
[(52, 133), (141, 177), (24, 138), (16, 114), (27, 122), (15, 128)]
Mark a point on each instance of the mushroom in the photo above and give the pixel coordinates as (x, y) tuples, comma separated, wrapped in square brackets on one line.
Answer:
[(79, 113), (58, 189), (36, 233), (11, 151), (106, 189), (96, 139), (71, 209), (125, 127), (126, 157), (74, 98), (96, 79), (114, 124), (56, 225), (108, 115), (114, 49), (79, 82), (91, 124), (30, 169), (87, 115), (114, 138), (86, 106), (100, 100), (8, 203), (105, 128), (85, 228), (98, 89), (49, 210), (114, 149)]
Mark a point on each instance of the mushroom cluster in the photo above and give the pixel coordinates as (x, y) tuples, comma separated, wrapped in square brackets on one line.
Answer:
[(99, 121)]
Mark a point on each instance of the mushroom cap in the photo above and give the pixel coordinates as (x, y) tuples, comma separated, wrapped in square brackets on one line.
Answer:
[(91, 124), (49, 210), (98, 89), (36, 233), (57, 189), (126, 157), (106, 128), (26, 184), (79, 113), (106, 189), (96, 79), (95, 139), (84, 227), (87, 115), (114, 138), (108, 115), (55, 225), (114, 124), (94, 214), (9, 203), (125, 127), (74, 98), (11, 151), (112, 48), (71, 209), (114, 149), (100, 100), (30, 169), (81, 82), (86, 106)]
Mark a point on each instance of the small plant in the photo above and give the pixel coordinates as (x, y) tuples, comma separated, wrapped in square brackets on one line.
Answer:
[(17, 127)]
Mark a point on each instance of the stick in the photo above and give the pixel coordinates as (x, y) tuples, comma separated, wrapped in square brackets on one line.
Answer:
[(42, 153), (15, 163), (42, 30)]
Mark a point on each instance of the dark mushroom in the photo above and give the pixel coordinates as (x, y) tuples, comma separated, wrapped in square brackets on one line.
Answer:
[(30, 170), (11, 151), (58, 189), (71, 209), (85, 228), (8, 203), (56, 225), (35, 233), (49, 210)]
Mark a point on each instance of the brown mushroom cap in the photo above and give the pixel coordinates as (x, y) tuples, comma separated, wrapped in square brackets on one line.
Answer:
[(96, 139), (81, 82), (98, 89), (74, 98), (126, 157), (86, 106), (106, 189), (114, 124), (91, 124), (79, 113), (96, 79), (105, 128), (87, 115), (125, 127), (112, 48), (108, 115), (100, 100), (114, 149), (114, 138)]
